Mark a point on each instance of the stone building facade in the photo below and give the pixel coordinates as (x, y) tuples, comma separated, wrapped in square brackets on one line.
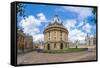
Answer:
[(90, 41), (24, 42), (20, 40), (28, 43), (55, 35)]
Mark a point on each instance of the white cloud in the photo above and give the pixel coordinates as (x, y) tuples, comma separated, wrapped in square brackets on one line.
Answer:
[(38, 37), (29, 20), (76, 34), (87, 27), (82, 12), (31, 25), (75, 27), (70, 24), (31, 31), (41, 17), (80, 24)]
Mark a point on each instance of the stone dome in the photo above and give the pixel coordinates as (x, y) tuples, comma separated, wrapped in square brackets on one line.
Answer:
[(56, 24)]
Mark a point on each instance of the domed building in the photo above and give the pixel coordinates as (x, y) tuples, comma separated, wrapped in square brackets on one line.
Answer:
[(55, 35)]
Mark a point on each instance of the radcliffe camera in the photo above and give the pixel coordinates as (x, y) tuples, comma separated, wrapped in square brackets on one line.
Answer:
[(52, 33)]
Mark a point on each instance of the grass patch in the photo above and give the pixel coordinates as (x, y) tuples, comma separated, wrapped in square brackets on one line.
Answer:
[(67, 50)]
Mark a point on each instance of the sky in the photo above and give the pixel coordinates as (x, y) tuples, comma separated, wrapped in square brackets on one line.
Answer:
[(77, 20)]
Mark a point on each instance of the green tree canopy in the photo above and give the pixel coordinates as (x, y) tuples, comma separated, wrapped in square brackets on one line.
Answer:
[(94, 11), (20, 9)]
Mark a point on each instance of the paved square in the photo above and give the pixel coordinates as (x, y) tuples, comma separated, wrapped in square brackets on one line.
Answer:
[(36, 57)]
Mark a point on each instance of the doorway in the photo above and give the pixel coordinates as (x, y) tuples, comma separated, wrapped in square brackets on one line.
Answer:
[(61, 46), (48, 46)]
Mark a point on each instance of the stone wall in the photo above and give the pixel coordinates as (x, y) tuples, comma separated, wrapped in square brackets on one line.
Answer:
[(24, 42), (55, 45)]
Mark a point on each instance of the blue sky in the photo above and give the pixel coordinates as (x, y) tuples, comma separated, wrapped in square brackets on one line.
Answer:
[(76, 19)]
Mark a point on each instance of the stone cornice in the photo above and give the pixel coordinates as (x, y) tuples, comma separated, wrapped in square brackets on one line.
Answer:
[(55, 28)]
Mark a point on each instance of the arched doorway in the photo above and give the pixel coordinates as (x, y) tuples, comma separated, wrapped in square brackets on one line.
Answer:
[(61, 46), (48, 46)]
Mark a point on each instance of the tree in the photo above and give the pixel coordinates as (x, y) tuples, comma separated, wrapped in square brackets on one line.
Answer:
[(94, 13), (20, 13), (20, 9)]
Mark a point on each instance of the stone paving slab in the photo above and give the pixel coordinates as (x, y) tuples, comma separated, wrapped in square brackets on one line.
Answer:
[(35, 57)]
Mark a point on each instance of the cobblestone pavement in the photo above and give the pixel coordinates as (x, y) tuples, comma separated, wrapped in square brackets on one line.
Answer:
[(35, 57)]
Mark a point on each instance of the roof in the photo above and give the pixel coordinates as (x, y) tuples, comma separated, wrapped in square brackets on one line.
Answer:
[(56, 23)]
